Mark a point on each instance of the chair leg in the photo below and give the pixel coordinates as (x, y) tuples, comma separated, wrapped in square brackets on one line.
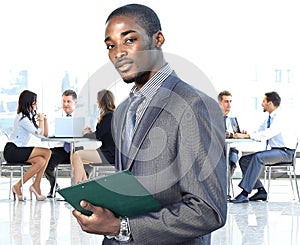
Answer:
[(22, 181), (296, 184), (231, 183), (297, 189), (10, 183), (291, 180), (265, 175), (55, 182), (269, 182), (94, 172)]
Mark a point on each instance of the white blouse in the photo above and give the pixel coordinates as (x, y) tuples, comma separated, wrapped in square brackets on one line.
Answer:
[(23, 129)]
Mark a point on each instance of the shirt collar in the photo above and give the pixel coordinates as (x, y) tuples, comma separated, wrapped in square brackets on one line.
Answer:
[(273, 113), (150, 87), (64, 114)]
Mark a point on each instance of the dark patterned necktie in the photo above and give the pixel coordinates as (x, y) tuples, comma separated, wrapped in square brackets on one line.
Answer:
[(67, 146), (129, 127), (268, 125)]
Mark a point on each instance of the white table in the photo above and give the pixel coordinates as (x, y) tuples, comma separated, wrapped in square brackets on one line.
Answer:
[(71, 140), (228, 142)]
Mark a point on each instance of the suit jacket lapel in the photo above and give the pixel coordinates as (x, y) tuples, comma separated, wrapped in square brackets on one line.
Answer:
[(119, 124), (156, 106)]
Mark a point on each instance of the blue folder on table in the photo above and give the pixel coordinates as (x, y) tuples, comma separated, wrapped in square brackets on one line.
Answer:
[(119, 192)]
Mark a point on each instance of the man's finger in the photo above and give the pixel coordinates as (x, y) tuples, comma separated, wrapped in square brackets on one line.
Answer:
[(88, 206)]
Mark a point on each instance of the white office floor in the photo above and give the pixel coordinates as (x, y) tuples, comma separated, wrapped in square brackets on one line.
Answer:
[(51, 222)]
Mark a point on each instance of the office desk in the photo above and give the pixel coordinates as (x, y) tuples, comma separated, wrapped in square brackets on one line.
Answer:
[(228, 142)]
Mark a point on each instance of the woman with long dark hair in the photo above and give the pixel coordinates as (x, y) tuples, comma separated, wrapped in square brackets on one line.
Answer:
[(105, 153), (27, 123)]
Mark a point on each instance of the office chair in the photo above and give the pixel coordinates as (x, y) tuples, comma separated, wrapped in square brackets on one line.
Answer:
[(10, 167), (101, 169), (283, 167)]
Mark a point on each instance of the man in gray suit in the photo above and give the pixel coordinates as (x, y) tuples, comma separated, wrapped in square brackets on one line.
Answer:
[(231, 126), (177, 148)]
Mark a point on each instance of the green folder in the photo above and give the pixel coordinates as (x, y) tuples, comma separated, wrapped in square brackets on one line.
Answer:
[(119, 192)]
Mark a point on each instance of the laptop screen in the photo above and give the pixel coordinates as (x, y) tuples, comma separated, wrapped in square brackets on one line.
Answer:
[(69, 126)]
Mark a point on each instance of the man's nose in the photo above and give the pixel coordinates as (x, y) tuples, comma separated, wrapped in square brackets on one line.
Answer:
[(120, 51)]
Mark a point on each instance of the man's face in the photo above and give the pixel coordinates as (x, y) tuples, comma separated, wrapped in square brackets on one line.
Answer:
[(225, 104), (68, 104), (129, 49), (266, 105)]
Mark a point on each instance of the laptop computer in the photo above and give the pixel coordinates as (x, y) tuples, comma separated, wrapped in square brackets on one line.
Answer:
[(69, 126), (235, 125)]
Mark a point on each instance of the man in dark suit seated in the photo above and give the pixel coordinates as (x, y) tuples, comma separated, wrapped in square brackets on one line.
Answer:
[(231, 126), (60, 152)]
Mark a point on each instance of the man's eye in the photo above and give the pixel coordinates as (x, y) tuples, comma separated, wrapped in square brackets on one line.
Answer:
[(130, 40), (109, 47)]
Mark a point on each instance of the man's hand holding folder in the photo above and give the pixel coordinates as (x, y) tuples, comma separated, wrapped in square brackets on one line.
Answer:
[(99, 221), (120, 192)]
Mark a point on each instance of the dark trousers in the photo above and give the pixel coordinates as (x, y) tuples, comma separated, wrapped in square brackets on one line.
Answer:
[(251, 165), (58, 156)]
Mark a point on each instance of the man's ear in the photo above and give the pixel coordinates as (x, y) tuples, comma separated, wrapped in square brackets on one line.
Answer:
[(271, 103), (159, 39)]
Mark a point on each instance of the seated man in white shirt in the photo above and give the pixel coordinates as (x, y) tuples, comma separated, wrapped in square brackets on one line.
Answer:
[(280, 142)]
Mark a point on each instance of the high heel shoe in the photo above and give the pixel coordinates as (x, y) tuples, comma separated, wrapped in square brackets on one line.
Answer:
[(20, 198), (37, 195)]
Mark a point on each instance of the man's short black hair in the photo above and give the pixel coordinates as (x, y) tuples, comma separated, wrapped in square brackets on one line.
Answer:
[(274, 97), (145, 16)]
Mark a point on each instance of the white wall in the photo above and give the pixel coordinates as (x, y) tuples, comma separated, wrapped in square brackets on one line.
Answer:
[(239, 45)]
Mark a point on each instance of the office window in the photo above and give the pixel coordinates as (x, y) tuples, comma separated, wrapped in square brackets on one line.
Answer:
[(278, 75)]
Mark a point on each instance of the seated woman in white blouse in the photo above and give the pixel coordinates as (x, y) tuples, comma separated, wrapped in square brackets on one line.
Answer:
[(28, 123)]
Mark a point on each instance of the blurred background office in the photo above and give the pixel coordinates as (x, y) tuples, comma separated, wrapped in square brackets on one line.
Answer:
[(246, 47)]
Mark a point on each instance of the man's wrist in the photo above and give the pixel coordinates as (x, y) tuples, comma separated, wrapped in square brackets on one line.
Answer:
[(125, 232)]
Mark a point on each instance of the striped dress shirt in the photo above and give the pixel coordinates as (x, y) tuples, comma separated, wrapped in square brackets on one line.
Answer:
[(149, 90)]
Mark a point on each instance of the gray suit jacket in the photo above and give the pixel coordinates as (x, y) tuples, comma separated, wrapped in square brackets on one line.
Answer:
[(177, 153)]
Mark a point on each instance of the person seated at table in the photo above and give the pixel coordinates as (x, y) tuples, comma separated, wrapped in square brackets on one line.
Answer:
[(27, 123), (231, 126), (105, 153), (280, 147), (60, 150)]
